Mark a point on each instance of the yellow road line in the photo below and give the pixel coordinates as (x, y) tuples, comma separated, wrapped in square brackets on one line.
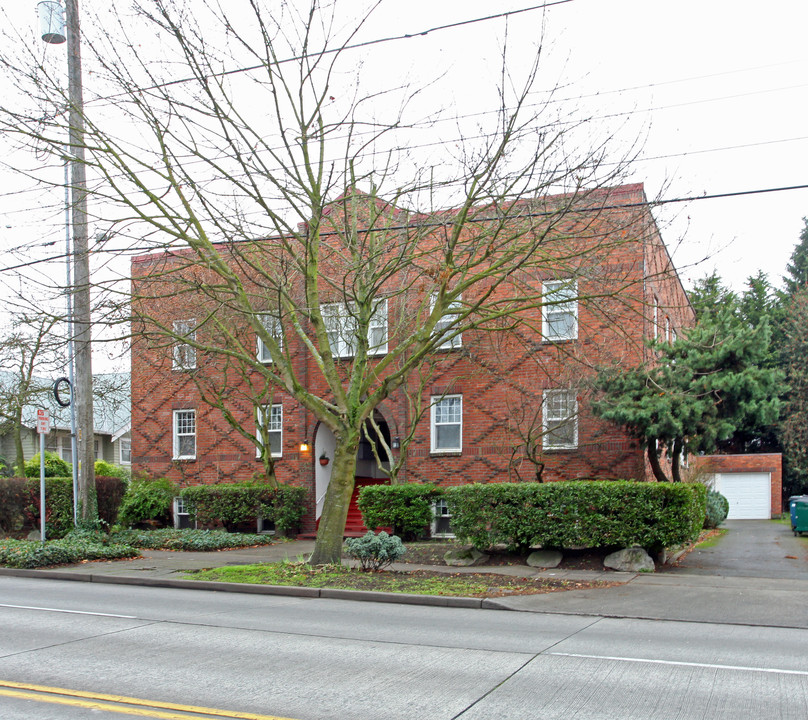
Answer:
[(89, 700)]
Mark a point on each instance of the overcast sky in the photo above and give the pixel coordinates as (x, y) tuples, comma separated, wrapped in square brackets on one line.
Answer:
[(715, 91)]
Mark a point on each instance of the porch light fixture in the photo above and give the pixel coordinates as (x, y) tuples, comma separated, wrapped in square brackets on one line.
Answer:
[(396, 443), (304, 447)]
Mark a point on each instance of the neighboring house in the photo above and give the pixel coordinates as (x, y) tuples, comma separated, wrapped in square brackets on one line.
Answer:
[(488, 395), (111, 416)]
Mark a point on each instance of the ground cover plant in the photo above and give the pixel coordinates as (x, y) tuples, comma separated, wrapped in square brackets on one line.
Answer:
[(419, 582), (75, 547), (189, 540)]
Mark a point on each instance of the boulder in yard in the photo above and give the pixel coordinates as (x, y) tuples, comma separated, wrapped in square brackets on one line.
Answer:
[(544, 558), (465, 557), (633, 559)]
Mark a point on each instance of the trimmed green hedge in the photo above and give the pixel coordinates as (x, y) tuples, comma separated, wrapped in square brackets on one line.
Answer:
[(407, 509), (19, 503), (577, 514), (232, 504)]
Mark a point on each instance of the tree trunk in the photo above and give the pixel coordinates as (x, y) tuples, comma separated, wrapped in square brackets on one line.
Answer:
[(328, 545), (676, 457), (653, 458)]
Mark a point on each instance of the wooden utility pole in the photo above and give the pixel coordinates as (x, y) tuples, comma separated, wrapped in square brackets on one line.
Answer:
[(82, 329)]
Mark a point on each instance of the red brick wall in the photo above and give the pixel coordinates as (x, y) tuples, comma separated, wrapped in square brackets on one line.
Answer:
[(501, 376), (764, 462)]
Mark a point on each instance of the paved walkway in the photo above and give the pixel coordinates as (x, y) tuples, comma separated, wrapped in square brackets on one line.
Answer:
[(751, 548)]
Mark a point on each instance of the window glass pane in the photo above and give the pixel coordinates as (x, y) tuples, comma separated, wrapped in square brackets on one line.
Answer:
[(448, 436), (126, 451), (186, 445)]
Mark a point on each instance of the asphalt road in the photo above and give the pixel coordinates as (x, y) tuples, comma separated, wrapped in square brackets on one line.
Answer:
[(311, 659)]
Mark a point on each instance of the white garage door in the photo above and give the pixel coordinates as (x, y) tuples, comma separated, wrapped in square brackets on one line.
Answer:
[(749, 494)]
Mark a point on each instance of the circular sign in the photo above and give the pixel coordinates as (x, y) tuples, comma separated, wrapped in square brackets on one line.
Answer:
[(62, 389)]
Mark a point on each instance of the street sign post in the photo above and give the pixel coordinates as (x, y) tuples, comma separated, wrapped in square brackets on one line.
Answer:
[(43, 428)]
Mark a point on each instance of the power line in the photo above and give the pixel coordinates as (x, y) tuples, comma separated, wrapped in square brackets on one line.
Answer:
[(441, 223)]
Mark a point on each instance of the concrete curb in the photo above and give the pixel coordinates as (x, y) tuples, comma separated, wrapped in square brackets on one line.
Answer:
[(249, 589)]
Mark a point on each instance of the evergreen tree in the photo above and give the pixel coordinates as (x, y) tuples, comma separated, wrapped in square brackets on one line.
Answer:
[(710, 384), (794, 426), (797, 276)]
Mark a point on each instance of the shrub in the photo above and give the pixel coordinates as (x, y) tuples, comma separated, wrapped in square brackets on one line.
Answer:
[(73, 548), (717, 509), (54, 466), (105, 469), (188, 540), (583, 514), (110, 492), (58, 505), (147, 500), (5, 468), (373, 551), (13, 501), (405, 508), (231, 504)]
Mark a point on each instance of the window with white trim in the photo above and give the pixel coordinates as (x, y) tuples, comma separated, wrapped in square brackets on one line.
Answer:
[(272, 415), (560, 419), (272, 325), (444, 325), (184, 434), (667, 329), (441, 519), (447, 424), (125, 445), (184, 354), (560, 310), (656, 318), (340, 326)]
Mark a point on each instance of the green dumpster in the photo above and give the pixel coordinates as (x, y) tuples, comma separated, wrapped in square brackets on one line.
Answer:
[(799, 514)]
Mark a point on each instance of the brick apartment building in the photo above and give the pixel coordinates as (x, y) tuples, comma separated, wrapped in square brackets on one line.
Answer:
[(489, 398)]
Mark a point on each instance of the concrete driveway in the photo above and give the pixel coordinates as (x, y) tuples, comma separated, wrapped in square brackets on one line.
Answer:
[(751, 548)]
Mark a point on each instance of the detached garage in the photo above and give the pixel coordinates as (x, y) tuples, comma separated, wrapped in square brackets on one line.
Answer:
[(751, 483)]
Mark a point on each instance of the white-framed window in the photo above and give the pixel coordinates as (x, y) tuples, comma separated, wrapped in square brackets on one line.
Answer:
[(441, 519), (560, 419), (447, 424), (656, 318), (125, 445), (182, 517), (97, 449), (273, 327), (443, 326), (61, 445), (272, 415), (184, 434), (340, 325), (184, 354), (667, 329), (674, 335), (560, 310)]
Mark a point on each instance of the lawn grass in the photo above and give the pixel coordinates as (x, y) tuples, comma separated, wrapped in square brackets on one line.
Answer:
[(420, 582)]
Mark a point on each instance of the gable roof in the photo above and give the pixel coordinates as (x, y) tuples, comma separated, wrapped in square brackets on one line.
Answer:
[(112, 407)]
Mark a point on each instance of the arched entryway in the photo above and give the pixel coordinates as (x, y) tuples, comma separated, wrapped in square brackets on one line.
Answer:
[(368, 471)]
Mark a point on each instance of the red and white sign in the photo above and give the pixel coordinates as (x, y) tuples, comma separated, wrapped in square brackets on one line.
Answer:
[(42, 421)]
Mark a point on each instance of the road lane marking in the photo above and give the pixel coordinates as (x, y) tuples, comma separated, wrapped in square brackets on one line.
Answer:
[(710, 666), (69, 612), (148, 708)]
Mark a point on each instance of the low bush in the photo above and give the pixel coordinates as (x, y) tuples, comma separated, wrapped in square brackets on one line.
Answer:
[(58, 505), (105, 469), (375, 552), (231, 504), (717, 509), (73, 548), (577, 514), (407, 509), (54, 466), (188, 540), (110, 491), (14, 499), (147, 501)]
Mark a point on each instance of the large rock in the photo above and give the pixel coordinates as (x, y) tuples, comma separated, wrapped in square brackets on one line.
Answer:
[(633, 559), (465, 557), (544, 558)]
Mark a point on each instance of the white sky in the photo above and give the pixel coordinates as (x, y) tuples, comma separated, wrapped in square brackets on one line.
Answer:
[(716, 90)]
